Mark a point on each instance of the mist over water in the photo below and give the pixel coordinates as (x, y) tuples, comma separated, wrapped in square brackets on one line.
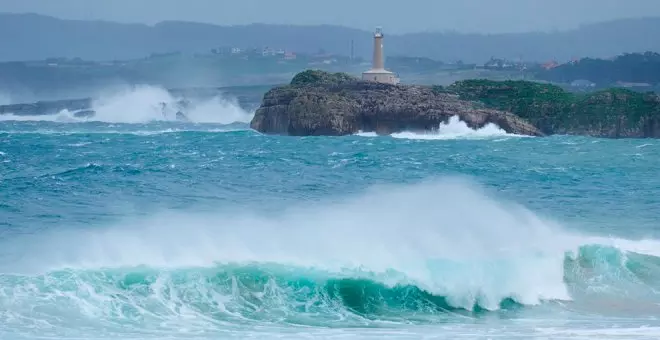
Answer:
[(144, 104)]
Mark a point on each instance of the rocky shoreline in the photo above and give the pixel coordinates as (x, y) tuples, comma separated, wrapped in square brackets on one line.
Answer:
[(320, 103), (609, 113)]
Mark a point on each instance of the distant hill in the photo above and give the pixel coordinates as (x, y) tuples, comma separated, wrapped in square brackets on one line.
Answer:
[(633, 68), (36, 37)]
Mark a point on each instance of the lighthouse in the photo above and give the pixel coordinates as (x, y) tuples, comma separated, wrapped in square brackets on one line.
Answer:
[(378, 73)]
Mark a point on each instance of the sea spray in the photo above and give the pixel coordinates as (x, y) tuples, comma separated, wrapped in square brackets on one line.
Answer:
[(425, 235), (454, 128), (141, 104), (144, 104)]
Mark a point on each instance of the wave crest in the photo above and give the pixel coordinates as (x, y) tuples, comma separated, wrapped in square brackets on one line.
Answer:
[(236, 293), (429, 232), (225, 293)]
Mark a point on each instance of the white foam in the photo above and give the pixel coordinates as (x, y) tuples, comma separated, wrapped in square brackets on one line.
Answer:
[(619, 332), (143, 104), (366, 134), (457, 129), (445, 236), (453, 129), (643, 246)]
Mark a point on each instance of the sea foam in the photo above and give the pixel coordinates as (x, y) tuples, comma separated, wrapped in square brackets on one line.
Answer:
[(143, 104), (454, 128)]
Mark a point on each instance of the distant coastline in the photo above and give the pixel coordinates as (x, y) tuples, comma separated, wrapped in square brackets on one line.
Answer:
[(59, 63), (58, 79), (51, 37)]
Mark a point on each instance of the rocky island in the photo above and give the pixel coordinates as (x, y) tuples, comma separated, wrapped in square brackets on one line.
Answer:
[(321, 103)]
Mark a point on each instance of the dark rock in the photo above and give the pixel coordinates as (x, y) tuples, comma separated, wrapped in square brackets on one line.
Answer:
[(320, 103)]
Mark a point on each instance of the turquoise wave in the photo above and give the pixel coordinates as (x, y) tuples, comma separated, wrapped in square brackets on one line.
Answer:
[(284, 294)]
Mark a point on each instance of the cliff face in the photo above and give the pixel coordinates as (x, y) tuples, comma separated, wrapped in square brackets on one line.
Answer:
[(612, 113), (318, 103)]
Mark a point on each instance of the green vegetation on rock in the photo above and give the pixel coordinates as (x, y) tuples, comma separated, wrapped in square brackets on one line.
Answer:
[(315, 77), (611, 112)]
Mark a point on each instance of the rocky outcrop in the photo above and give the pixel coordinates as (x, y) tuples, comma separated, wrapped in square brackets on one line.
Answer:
[(319, 103), (609, 113)]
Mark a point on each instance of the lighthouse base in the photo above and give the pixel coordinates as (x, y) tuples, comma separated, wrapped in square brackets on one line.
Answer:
[(380, 76)]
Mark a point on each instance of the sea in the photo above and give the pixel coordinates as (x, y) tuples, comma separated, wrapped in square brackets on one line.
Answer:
[(131, 225)]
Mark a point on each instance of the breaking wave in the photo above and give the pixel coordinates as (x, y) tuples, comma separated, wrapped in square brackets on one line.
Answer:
[(394, 254), (452, 129), (144, 104)]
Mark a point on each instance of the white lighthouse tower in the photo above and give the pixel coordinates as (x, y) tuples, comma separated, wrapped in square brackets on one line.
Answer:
[(378, 73)]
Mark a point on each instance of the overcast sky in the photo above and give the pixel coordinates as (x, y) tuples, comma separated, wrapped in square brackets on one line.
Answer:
[(397, 16)]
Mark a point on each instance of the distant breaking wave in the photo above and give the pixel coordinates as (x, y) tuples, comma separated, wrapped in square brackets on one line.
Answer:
[(144, 104), (453, 129)]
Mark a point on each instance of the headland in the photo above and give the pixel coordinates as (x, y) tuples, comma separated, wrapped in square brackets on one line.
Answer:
[(322, 103)]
